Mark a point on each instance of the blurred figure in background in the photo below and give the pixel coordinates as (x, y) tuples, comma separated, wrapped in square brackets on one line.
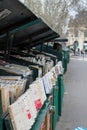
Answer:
[(58, 47), (75, 46)]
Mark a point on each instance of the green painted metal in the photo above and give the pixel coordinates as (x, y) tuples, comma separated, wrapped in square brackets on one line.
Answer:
[(26, 25), (55, 103), (60, 97), (22, 27), (7, 123), (9, 44), (66, 58), (68, 54), (63, 87), (49, 37), (61, 92), (41, 116), (65, 65), (2, 35), (58, 93)]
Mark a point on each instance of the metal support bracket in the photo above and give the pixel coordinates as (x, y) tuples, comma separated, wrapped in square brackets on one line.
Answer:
[(9, 44)]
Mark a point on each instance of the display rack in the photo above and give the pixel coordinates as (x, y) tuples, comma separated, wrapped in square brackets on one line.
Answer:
[(20, 30)]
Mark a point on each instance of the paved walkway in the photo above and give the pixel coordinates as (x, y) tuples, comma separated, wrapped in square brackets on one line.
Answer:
[(74, 112)]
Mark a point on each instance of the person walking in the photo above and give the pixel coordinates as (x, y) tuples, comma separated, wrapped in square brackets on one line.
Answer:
[(83, 53)]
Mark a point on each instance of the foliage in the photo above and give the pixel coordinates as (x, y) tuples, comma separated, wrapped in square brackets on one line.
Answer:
[(56, 13)]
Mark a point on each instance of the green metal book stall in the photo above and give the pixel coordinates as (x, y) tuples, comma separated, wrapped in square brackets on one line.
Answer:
[(31, 72)]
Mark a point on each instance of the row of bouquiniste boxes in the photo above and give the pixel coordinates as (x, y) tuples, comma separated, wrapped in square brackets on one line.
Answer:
[(33, 98)]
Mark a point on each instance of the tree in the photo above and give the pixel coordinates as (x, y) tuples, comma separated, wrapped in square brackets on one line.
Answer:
[(56, 13), (79, 20)]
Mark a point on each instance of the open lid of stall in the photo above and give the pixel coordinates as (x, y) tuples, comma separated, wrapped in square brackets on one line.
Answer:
[(21, 27), (60, 40)]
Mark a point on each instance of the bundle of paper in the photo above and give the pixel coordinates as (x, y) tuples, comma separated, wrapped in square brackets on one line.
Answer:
[(49, 82), (46, 85), (56, 69), (31, 59), (27, 58), (10, 78), (16, 69), (23, 112), (40, 72), (55, 74), (35, 59), (48, 66), (60, 67), (51, 78), (42, 60), (2, 62), (41, 90), (38, 93), (10, 91)]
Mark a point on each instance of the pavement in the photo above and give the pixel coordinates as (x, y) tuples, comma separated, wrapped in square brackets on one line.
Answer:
[(74, 111), (81, 57)]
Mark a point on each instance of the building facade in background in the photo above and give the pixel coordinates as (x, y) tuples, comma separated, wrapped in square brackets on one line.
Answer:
[(78, 29), (77, 34)]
